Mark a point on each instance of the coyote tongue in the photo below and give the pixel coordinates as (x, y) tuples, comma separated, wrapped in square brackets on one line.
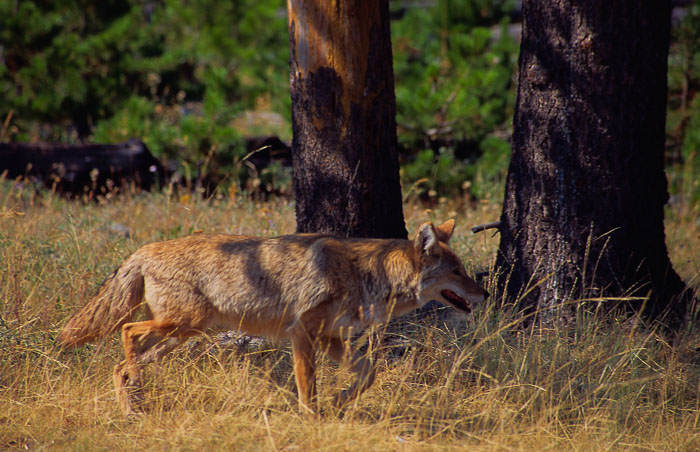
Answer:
[(456, 300)]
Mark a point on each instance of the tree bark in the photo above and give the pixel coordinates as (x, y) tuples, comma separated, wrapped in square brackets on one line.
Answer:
[(344, 148), (583, 211)]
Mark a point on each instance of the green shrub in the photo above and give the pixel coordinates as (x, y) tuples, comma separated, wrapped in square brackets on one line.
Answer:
[(183, 75), (683, 121), (453, 90), (71, 65)]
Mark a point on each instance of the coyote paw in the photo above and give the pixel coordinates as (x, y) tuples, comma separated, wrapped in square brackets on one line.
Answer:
[(129, 391)]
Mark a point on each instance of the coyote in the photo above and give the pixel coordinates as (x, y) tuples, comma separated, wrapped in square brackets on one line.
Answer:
[(317, 290)]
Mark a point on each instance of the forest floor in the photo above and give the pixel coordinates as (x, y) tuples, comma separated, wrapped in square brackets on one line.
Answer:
[(475, 384)]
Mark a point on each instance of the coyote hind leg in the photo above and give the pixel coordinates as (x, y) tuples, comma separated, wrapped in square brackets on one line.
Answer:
[(144, 342), (305, 371)]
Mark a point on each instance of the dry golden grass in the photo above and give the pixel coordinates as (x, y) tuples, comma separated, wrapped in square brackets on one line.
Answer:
[(478, 385)]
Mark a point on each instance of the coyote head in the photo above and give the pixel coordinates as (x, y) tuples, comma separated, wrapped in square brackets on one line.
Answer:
[(442, 275)]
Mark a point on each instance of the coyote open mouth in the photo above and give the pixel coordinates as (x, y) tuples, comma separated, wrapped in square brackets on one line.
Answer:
[(456, 300)]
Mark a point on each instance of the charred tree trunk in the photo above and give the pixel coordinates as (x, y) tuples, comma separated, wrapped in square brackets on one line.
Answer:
[(583, 211), (346, 173)]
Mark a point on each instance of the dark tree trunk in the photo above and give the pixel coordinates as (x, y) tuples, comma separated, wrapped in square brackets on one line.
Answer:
[(583, 211), (346, 173)]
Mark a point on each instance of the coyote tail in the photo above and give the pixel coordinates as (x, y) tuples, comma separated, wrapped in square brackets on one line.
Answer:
[(113, 306)]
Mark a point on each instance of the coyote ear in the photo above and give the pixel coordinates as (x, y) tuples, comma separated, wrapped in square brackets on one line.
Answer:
[(426, 240), (445, 230)]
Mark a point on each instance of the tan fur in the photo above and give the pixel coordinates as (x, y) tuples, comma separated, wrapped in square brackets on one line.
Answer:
[(316, 290), (113, 306)]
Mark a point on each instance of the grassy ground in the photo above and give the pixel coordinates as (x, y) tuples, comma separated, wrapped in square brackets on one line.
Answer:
[(474, 385)]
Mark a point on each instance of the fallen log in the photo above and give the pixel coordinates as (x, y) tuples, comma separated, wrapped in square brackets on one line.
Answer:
[(78, 168)]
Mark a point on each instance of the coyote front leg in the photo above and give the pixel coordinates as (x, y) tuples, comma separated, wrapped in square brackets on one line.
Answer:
[(359, 363)]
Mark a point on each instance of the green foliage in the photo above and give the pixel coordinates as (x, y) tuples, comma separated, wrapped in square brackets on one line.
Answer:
[(63, 61), (436, 172), (683, 122), (194, 139), (175, 73), (185, 75), (491, 167), (454, 66), (441, 173)]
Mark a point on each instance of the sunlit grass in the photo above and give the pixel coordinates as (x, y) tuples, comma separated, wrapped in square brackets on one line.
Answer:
[(474, 385)]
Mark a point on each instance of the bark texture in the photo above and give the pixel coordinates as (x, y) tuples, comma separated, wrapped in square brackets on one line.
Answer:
[(344, 150), (583, 211)]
